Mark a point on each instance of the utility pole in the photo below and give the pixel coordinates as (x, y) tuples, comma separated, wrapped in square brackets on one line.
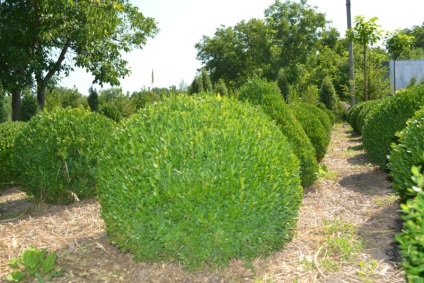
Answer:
[(351, 64)]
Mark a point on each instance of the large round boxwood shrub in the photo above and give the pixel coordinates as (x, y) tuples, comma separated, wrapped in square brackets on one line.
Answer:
[(318, 113), (57, 154), (8, 132), (317, 133), (267, 95), (407, 153), (384, 120), (411, 240), (199, 180)]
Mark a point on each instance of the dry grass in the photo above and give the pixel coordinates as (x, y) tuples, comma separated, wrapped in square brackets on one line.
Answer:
[(354, 207)]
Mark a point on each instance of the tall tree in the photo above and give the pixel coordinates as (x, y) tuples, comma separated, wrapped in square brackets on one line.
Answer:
[(396, 43), (41, 39), (365, 33), (296, 30)]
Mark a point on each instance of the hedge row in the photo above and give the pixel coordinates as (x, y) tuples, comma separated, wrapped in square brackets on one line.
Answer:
[(393, 132), (316, 125), (268, 97), (228, 187), (386, 119)]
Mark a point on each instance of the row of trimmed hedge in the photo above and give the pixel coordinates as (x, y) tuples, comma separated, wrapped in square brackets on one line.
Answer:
[(193, 179), (393, 136)]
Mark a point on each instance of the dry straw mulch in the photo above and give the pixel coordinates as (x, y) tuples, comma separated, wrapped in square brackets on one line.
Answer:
[(352, 192)]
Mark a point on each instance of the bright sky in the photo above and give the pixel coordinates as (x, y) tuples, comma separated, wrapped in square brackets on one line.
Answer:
[(172, 56)]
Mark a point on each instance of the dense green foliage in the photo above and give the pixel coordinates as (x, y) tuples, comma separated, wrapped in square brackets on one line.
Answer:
[(8, 132), (37, 37), (407, 153), (268, 96), (29, 107), (327, 94), (366, 109), (357, 114), (386, 119), (316, 127), (411, 239), (199, 180), (57, 152)]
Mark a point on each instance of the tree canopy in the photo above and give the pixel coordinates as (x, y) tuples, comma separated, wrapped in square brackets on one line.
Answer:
[(42, 39)]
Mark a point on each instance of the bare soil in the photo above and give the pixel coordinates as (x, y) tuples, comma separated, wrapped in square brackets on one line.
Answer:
[(353, 192)]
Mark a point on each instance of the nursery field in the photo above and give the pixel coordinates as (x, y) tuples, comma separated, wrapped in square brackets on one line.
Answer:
[(345, 232)]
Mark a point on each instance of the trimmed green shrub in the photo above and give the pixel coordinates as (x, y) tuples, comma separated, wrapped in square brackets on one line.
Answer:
[(366, 109), (317, 133), (386, 119), (111, 111), (411, 239), (407, 153), (8, 132), (327, 111), (319, 113), (267, 95), (199, 180), (57, 154), (29, 107), (353, 115)]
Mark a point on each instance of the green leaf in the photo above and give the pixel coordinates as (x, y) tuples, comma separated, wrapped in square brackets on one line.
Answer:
[(48, 263), (15, 276)]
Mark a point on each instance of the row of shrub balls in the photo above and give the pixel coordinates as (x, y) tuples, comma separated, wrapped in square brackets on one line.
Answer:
[(392, 130), (198, 179)]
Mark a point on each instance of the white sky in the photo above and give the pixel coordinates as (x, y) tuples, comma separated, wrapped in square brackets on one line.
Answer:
[(172, 56)]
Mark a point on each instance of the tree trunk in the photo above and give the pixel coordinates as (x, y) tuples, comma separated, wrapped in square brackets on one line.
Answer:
[(365, 75), (16, 104)]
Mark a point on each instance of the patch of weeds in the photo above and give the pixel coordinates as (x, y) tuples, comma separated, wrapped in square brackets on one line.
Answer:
[(34, 264), (341, 246), (386, 200), (325, 173), (367, 269)]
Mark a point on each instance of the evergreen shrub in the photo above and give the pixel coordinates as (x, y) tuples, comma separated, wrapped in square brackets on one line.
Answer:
[(57, 152), (389, 117), (312, 124), (327, 111), (268, 96), (8, 132), (353, 115), (411, 240), (199, 180), (362, 115), (407, 153)]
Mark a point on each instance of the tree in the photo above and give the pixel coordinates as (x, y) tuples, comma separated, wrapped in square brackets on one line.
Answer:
[(396, 43), (42, 39), (327, 94), (283, 84), (93, 99), (365, 33), (221, 88), (296, 29), (29, 106), (207, 84)]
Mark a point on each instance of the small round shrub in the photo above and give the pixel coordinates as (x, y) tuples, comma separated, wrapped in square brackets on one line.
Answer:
[(353, 115), (8, 132), (268, 96), (57, 152), (317, 133), (411, 240), (407, 153), (384, 120), (199, 180)]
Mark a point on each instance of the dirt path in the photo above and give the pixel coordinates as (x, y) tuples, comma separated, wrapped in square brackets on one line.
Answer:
[(345, 233)]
